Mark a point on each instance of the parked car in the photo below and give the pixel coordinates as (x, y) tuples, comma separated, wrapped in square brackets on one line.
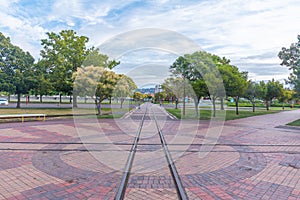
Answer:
[(3, 102)]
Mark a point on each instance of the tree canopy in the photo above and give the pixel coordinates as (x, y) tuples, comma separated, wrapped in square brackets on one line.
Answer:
[(16, 69), (173, 87), (291, 58), (95, 58), (124, 88), (63, 53), (235, 82)]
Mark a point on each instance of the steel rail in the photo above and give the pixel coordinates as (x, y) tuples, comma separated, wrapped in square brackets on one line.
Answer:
[(124, 181), (176, 178), (153, 144)]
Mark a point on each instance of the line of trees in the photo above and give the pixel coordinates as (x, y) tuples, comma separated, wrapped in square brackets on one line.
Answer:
[(202, 74), (65, 60), (65, 56)]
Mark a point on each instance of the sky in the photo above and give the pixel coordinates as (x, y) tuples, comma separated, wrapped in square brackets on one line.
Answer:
[(250, 33)]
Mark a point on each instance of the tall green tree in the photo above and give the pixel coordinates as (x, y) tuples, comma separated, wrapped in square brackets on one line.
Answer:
[(44, 84), (291, 58), (198, 90), (251, 93), (95, 58), (16, 69), (274, 90), (63, 53), (235, 82), (269, 91), (194, 69)]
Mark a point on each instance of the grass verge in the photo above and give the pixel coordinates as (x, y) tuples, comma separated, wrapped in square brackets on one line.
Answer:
[(294, 123), (230, 114), (62, 113)]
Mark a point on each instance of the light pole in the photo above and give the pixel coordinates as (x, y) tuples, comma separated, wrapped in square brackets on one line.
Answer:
[(183, 106), (159, 97)]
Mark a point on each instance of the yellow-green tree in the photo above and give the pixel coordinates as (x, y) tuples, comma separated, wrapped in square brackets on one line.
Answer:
[(95, 82), (124, 88)]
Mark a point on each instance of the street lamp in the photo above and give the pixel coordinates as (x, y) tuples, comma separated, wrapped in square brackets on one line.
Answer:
[(183, 106)]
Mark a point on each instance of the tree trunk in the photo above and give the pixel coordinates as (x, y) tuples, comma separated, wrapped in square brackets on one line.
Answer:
[(41, 98), (75, 100), (222, 103), (253, 106), (109, 100), (176, 104), (196, 102), (59, 98), (122, 101), (8, 97), (283, 106), (98, 105), (267, 105), (214, 106), (237, 105), (19, 101)]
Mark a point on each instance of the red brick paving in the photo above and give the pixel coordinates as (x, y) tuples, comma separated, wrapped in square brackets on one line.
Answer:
[(240, 168)]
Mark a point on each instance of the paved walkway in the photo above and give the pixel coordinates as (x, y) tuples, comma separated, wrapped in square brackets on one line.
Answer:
[(83, 159)]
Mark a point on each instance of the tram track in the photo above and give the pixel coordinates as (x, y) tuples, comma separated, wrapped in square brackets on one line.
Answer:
[(103, 147), (155, 144), (181, 193)]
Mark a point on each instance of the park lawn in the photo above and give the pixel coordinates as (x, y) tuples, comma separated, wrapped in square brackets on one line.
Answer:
[(230, 114), (63, 112), (47, 111), (294, 123)]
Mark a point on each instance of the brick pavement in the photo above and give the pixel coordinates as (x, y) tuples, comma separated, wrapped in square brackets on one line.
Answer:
[(254, 159)]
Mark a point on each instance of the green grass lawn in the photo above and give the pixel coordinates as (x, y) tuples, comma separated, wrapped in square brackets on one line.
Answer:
[(63, 112), (228, 115), (294, 123)]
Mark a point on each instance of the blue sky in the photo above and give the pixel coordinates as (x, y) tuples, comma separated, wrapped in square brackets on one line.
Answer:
[(250, 33)]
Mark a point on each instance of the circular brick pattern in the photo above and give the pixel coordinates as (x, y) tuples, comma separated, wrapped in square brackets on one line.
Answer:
[(249, 164), (231, 166)]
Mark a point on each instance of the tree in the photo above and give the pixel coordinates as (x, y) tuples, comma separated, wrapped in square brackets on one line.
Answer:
[(16, 68), (44, 84), (160, 96), (235, 82), (95, 82), (138, 96), (95, 58), (274, 90), (194, 69), (270, 90), (199, 89), (215, 85), (287, 95), (251, 93), (173, 88), (125, 86), (220, 62), (63, 53), (291, 58)]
